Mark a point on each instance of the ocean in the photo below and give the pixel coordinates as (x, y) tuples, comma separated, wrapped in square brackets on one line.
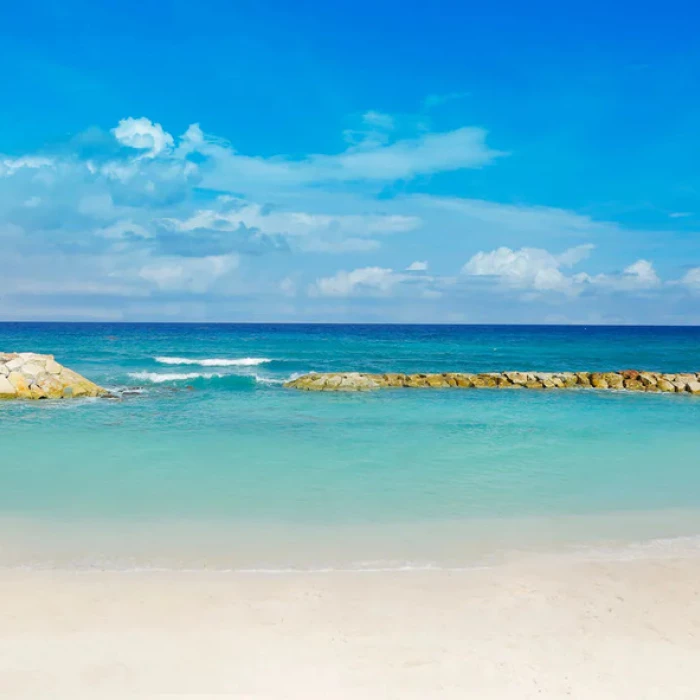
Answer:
[(206, 460)]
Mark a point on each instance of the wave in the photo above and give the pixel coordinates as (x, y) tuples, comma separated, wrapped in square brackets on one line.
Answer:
[(268, 380), (214, 361), (161, 377), (158, 378)]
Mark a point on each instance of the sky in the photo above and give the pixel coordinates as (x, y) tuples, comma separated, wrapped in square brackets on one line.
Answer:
[(385, 161)]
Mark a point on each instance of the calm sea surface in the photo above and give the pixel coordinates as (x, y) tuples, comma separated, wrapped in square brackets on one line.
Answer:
[(208, 460)]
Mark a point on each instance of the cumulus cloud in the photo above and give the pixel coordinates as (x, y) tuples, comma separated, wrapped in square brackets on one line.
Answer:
[(642, 273), (368, 280), (691, 278), (379, 281), (144, 135), (528, 268), (539, 270), (136, 213)]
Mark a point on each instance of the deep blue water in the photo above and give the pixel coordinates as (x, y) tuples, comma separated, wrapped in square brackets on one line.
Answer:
[(213, 436)]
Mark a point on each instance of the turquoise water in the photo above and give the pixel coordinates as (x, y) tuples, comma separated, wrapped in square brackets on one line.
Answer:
[(206, 441)]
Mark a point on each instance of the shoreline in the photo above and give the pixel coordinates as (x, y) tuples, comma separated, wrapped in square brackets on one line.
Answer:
[(246, 546), (623, 630)]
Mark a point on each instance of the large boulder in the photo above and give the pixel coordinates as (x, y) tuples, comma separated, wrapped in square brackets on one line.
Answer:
[(28, 375)]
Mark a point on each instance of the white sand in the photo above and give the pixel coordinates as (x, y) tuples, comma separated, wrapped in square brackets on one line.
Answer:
[(532, 630)]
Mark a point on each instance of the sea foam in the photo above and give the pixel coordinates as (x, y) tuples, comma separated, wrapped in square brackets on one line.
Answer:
[(214, 361), (158, 378)]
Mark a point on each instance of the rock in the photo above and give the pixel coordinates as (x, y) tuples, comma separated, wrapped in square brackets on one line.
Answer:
[(680, 384), (569, 379), (32, 376), (665, 385), (437, 381), (583, 378), (50, 384), (394, 379), (332, 382), (14, 364), (21, 385), (614, 381), (7, 389), (464, 381), (598, 380), (482, 381), (416, 381), (52, 367), (516, 377)]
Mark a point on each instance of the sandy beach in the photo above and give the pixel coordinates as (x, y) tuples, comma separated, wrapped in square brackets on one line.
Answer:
[(537, 629)]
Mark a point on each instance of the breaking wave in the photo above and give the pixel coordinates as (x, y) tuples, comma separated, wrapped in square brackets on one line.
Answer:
[(162, 377), (215, 361), (158, 378)]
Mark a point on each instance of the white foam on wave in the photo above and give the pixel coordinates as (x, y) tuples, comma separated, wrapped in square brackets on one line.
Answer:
[(158, 378), (268, 380), (215, 361)]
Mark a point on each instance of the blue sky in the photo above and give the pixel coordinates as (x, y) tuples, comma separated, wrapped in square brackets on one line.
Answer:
[(384, 161)]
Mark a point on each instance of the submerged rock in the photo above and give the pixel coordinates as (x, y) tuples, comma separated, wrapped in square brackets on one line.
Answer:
[(28, 375)]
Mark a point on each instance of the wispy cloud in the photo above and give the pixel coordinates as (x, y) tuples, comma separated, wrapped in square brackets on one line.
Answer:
[(188, 222)]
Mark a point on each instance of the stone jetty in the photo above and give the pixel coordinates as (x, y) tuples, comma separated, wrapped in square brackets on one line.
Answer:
[(627, 380), (27, 375)]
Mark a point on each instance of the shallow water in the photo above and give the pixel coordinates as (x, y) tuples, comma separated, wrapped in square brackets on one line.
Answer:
[(206, 443)]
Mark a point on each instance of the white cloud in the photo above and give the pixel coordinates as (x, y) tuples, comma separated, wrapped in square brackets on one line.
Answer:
[(149, 222), (372, 160), (517, 219), (638, 276), (427, 154), (679, 214), (370, 280), (308, 231), (123, 229), (641, 274), (143, 134), (691, 279), (539, 270), (188, 274), (9, 166), (528, 268), (378, 119)]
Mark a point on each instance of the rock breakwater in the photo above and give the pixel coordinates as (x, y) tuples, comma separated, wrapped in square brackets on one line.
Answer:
[(27, 375), (627, 380)]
